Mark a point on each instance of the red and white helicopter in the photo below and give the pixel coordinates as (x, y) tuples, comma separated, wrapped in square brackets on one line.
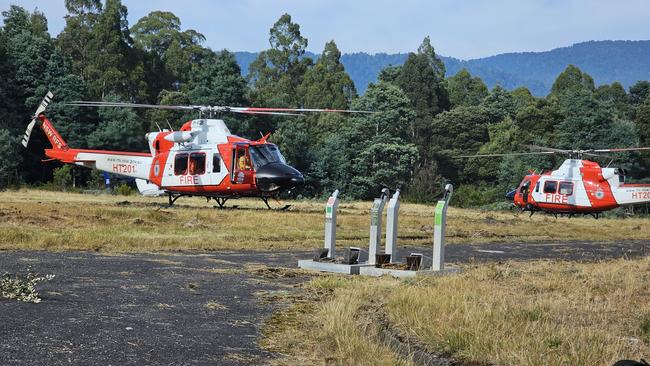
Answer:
[(578, 186), (202, 159)]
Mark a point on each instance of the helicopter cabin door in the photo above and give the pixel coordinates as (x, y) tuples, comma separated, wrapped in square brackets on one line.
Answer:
[(242, 169), (189, 168), (217, 169), (524, 190)]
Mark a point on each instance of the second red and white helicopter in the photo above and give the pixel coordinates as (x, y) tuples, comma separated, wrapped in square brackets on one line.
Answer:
[(578, 186)]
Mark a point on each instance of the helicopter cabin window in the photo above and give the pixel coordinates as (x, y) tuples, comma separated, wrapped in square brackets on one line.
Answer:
[(537, 187), (566, 188), (216, 163), (550, 186), (197, 163), (180, 164)]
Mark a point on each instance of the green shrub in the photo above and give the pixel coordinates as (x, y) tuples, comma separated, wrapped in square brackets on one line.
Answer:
[(469, 195), (62, 177), (124, 190)]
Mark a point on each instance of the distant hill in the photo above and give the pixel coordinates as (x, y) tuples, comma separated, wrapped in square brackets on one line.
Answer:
[(606, 61)]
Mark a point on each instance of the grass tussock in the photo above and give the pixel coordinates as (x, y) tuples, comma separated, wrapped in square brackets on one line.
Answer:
[(35, 219), (324, 327), (531, 314), (514, 313)]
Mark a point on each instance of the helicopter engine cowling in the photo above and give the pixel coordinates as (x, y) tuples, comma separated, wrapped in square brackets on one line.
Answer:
[(180, 136)]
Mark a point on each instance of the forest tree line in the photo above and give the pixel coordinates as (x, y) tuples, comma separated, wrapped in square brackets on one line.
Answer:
[(426, 118)]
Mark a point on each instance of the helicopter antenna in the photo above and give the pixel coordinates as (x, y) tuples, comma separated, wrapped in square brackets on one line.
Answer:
[(159, 129)]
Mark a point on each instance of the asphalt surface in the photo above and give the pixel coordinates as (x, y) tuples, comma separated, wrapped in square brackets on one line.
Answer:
[(186, 308)]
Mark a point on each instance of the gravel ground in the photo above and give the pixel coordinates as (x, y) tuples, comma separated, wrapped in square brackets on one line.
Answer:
[(186, 308)]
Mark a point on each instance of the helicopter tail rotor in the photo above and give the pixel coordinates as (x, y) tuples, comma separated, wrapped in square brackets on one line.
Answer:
[(41, 108)]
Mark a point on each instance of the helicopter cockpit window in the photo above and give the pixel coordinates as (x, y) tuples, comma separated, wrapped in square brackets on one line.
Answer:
[(566, 188), (525, 187), (197, 163), (216, 163), (550, 186), (243, 161), (265, 154), (180, 164)]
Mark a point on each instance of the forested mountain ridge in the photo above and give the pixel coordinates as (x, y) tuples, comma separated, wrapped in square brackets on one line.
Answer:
[(606, 61)]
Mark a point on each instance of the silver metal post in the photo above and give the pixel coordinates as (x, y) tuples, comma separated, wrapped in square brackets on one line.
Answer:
[(391, 227), (330, 224), (375, 225), (440, 222)]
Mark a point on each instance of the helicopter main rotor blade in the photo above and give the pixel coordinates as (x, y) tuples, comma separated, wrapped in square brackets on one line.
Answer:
[(266, 113), (292, 110), (216, 109), (549, 149), (130, 105), (620, 150), (506, 154)]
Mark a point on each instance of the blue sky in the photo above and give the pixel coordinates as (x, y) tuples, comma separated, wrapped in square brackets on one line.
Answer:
[(463, 29)]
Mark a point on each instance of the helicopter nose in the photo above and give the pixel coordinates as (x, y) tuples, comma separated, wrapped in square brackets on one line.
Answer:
[(510, 196), (277, 176)]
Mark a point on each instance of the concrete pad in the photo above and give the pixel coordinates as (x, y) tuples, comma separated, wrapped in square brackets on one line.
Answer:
[(374, 271), (331, 267)]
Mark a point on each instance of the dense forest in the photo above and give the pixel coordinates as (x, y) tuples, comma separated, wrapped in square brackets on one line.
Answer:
[(426, 117)]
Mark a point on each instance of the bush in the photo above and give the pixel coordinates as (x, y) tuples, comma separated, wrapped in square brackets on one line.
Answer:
[(22, 289), (124, 190), (62, 178), (469, 195)]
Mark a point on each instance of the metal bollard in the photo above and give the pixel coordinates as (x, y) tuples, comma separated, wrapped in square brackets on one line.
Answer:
[(391, 226), (375, 225), (439, 229), (330, 224)]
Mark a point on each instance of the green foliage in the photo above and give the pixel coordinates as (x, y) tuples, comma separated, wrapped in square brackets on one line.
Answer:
[(124, 190), (642, 126), (500, 104), (639, 92), (572, 79), (327, 85), (588, 123), (616, 97), (422, 78), (9, 158), (460, 131), (62, 178), (22, 288), (464, 90), (471, 195), (120, 129), (278, 71), (217, 80)]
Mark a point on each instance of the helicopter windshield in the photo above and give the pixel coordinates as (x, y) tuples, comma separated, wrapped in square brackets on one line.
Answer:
[(265, 154)]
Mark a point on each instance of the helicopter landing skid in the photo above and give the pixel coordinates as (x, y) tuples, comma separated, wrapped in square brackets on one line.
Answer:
[(266, 202), (173, 198)]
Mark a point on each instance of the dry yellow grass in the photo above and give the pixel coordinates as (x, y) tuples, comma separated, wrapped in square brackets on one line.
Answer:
[(36, 219), (533, 313), (324, 327), (541, 313)]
